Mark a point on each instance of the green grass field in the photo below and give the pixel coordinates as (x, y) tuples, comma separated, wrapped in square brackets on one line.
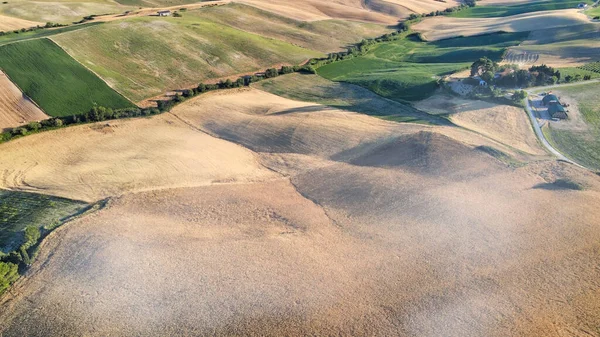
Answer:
[(573, 71), (408, 69), (10, 38), (20, 209), (313, 88), (593, 12), (583, 146), (482, 11), (54, 80), (145, 57)]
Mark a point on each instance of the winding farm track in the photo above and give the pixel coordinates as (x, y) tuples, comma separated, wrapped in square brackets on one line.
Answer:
[(537, 128)]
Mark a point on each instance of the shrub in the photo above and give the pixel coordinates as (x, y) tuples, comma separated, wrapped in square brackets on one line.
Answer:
[(19, 132), (271, 72), (34, 126), (9, 273)]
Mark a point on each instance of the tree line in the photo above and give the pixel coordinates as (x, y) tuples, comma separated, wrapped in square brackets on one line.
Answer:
[(512, 76), (32, 29), (20, 259)]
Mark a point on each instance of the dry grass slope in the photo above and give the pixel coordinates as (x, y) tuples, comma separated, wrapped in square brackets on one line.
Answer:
[(9, 24), (446, 27), (371, 228), (92, 162)]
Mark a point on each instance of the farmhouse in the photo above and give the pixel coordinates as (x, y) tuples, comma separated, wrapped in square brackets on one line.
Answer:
[(550, 98), (556, 110), (164, 13)]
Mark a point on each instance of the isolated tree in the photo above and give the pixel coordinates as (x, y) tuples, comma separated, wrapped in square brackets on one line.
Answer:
[(483, 65), (519, 95)]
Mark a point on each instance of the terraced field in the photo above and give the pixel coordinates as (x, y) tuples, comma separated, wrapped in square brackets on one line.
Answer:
[(408, 69), (57, 83), (144, 57)]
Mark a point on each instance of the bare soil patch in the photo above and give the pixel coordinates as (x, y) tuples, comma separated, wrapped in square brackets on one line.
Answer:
[(89, 162), (379, 229), (15, 108), (8, 23)]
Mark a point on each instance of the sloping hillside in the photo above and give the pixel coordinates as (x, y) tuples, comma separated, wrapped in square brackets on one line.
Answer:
[(358, 227), (15, 108), (446, 27), (382, 11), (144, 57), (9, 24)]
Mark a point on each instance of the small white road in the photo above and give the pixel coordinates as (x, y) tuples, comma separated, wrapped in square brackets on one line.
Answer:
[(538, 131)]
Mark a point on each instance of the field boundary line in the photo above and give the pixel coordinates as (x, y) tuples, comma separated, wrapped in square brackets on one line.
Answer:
[(93, 72)]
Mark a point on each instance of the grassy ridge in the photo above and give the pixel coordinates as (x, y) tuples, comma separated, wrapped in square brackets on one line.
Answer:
[(527, 7), (313, 88), (408, 69), (325, 35), (144, 57), (20, 209), (10, 38), (55, 81), (581, 145)]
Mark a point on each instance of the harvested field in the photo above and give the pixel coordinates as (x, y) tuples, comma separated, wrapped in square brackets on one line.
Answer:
[(9, 24), (446, 27), (325, 35), (379, 229), (380, 11), (267, 123), (59, 11), (504, 123), (563, 46), (91, 162), (15, 108)]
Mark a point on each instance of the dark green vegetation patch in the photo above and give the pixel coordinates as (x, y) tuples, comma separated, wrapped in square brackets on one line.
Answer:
[(409, 69), (54, 80), (20, 209), (312, 88), (521, 8)]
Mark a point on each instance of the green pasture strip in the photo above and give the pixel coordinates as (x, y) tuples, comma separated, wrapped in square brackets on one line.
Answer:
[(12, 37), (21, 209), (54, 80), (582, 145), (313, 88), (409, 69)]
